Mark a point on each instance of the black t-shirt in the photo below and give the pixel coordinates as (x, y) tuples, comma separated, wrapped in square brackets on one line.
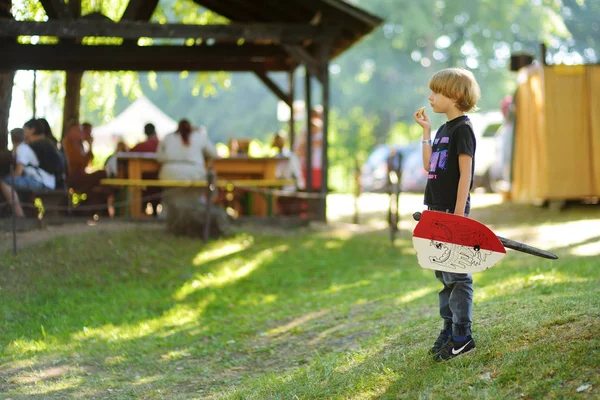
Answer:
[(48, 156), (453, 138)]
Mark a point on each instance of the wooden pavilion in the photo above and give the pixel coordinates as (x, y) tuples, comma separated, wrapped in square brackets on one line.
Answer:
[(262, 36)]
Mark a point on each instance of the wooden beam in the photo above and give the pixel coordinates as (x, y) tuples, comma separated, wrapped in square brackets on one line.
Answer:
[(247, 10), (273, 86), (216, 51), (301, 55), (280, 33), (286, 11), (56, 9), (144, 58)]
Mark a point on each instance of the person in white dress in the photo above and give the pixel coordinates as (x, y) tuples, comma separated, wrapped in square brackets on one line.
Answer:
[(183, 155)]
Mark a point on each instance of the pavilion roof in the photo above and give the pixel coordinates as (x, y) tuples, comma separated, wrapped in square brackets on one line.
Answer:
[(262, 36)]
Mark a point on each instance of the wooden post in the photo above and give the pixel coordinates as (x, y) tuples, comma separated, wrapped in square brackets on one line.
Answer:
[(308, 151), (292, 120), (72, 97), (72, 80), (34, 92), (6, 85), (324, 70)]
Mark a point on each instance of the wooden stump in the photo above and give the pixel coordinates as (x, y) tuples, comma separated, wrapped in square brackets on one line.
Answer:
[(186, 214)]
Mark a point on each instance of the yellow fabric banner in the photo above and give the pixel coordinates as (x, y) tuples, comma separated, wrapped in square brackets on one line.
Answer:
[(557, 136)]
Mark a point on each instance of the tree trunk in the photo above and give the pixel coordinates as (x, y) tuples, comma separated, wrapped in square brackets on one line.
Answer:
[(72, 97), (6, 85)]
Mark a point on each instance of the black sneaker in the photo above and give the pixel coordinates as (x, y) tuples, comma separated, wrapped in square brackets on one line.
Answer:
[(440, 342), (453, 349)]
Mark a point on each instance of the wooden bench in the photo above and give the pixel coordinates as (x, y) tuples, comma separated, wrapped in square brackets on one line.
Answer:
[(229, 185), (54, 203)]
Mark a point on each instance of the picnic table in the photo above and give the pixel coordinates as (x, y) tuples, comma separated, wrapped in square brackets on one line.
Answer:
[(132, 165)]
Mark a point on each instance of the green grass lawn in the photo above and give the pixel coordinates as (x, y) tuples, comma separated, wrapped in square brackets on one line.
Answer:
[(284, 315)]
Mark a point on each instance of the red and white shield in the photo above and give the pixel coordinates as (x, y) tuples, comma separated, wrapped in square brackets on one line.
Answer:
[(451, 243)]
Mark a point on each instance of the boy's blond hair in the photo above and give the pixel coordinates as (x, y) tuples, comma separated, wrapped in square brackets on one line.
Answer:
[(459, 85)]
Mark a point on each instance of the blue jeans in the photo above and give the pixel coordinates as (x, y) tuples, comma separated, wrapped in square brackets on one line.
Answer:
[(456, 299), (25, 183)]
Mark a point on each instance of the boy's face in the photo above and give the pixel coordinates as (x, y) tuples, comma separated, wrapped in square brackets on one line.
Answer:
[(440, 103)]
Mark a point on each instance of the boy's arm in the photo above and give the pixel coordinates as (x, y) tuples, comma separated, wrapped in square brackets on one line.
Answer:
[(426, 151), (423, 119), (464, 183)]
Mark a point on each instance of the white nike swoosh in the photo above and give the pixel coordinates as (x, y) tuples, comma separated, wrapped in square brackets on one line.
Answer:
[(455, 352)]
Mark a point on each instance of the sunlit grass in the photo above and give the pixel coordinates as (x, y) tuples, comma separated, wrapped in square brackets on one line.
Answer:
[(138, 314), (532, 280), (230, 273), (227, 249)]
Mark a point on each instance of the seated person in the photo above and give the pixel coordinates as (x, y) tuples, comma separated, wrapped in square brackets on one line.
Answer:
[(45, 129), (289, 167), (151, 144), (110, 165), (239, 147), (46, 151), (28, 176), (182, 156), (78, 159)]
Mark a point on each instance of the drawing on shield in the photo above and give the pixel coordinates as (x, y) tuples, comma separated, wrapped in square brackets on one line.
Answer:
[(445, 233)]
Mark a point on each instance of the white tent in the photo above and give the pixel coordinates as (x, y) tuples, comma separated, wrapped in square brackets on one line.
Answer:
[(129, 126)]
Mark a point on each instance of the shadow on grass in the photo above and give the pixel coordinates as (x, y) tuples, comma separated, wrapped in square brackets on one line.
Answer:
[(110, 303), (146, 313), (522, 331)]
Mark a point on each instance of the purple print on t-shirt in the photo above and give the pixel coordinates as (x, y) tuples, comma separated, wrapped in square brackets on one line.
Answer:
[(445, 140), (433, 162), (443, 158)]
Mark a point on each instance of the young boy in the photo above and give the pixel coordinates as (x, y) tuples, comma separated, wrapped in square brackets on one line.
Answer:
[(450, 160)]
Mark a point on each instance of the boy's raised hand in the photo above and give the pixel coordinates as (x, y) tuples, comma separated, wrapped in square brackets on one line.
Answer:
[(422, 119)]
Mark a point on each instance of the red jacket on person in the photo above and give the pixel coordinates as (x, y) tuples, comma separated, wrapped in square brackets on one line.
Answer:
[(149, 146)]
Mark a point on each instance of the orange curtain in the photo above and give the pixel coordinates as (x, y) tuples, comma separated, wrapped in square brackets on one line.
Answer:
[(568, 132), (594, 102), (557, 136), (529, 165)]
